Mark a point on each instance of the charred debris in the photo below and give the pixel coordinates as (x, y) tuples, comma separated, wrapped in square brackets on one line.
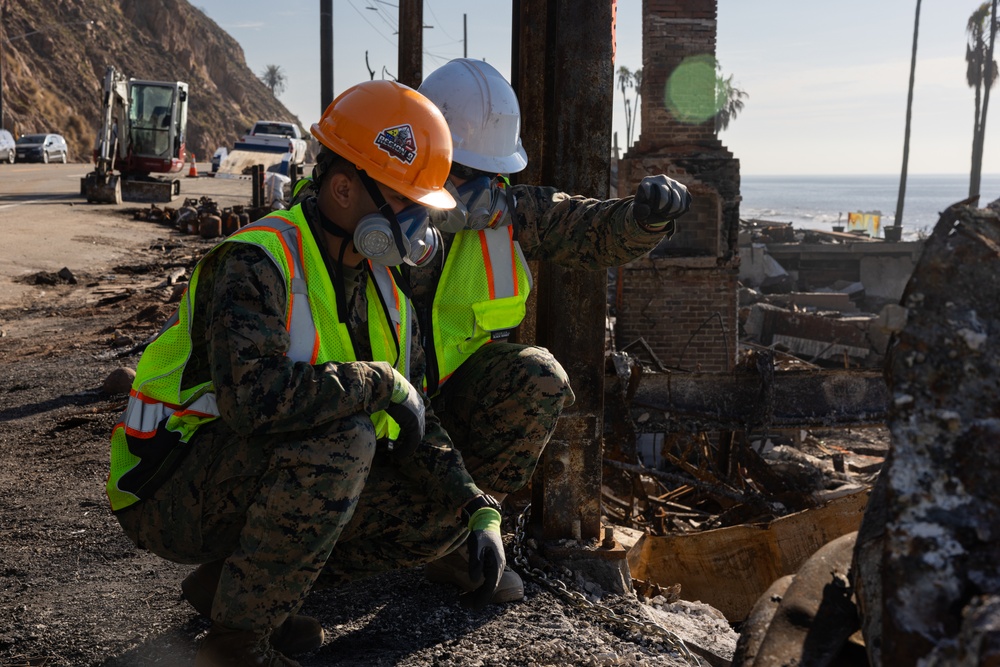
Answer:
[(829, 495)]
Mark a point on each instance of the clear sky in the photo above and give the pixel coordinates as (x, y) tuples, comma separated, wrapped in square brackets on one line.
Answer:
[(827, 82)]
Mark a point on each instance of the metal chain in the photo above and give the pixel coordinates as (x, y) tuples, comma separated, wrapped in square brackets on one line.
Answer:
[(577, 599)]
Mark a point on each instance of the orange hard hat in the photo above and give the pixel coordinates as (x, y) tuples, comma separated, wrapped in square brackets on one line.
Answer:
[(396, 135)]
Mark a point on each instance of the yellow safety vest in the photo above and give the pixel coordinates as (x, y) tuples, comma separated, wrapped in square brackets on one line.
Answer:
[(480, 299), (161, 416)]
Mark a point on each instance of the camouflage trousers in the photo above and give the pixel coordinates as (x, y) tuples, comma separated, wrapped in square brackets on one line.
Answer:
[(312, 508), (321, 507), (500, 409)]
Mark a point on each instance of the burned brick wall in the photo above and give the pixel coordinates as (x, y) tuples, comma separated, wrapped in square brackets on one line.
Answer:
[(685, 310), (677, 32)]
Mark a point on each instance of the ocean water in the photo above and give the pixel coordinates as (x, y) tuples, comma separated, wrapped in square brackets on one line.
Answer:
[(819, 202)]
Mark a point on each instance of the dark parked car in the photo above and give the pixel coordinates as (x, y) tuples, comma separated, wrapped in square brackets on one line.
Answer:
[(7, 149), (41, 148)]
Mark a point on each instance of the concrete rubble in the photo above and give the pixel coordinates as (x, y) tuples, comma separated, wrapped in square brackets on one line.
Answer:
[(824, 297)]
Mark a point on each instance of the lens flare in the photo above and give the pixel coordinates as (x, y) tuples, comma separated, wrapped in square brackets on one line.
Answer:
[(692, 91)]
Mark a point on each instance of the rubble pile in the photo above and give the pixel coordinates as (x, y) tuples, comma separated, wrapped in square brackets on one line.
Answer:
[(828, 298)]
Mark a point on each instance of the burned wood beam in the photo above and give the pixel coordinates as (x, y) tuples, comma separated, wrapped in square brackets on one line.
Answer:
[(671, 402), (713, 488)]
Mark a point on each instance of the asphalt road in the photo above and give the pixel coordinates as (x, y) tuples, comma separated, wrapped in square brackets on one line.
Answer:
[(46, 225)]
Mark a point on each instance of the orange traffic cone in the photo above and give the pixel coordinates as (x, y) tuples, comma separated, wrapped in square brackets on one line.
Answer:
[(193, 171)]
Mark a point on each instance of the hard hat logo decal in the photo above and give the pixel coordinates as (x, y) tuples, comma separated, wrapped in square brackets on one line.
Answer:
[(398, 142)]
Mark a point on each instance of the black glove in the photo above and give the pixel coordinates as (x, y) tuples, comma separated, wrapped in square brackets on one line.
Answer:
[(486, 555), (407, 408), (659, 200)]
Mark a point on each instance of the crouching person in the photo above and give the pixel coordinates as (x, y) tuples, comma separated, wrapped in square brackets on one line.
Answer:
[(272, 435)]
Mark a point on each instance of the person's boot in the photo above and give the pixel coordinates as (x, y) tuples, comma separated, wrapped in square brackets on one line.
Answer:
[(454, 569), (298, 634), (226, 647)]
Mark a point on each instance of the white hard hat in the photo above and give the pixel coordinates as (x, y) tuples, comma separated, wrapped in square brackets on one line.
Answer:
[(482, 112)]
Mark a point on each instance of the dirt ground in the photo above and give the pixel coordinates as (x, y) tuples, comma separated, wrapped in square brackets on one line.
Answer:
[(74, 592)]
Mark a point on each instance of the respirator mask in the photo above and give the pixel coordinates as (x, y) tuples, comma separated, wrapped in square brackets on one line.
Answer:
[(482, 203), (390, 238), (416, 245)]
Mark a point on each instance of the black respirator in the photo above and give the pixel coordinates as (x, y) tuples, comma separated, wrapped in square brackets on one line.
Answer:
[(482, 203)]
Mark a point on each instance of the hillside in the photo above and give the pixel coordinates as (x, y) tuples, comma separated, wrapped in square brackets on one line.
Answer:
[(53, 66)]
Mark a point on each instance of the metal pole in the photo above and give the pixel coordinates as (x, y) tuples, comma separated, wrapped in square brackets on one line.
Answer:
[(325, 54), (465, 35)]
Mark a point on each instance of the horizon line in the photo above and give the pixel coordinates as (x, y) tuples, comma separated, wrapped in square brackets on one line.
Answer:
[(929, 173)]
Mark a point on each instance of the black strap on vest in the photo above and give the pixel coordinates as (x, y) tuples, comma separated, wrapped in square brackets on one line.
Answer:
[(336, 271)]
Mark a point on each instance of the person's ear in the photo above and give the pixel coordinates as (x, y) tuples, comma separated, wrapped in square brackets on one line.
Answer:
[(341, 189)]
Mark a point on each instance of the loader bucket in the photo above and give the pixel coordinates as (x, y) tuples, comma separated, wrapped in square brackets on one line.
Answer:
[(101, 188)]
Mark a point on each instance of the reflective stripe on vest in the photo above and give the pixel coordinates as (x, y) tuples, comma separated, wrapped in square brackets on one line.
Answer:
[(160, 415), (480, 298)]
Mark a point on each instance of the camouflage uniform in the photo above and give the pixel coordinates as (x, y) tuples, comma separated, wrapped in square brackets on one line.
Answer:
[(500, 407), (290, 485)]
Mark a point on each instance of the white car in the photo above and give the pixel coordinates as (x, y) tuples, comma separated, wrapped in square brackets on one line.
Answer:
[(7, 147)]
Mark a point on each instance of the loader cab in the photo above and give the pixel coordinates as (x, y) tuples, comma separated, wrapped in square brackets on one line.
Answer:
[(157, 125)]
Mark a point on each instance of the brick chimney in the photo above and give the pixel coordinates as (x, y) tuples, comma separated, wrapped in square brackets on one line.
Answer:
[(681, 299)]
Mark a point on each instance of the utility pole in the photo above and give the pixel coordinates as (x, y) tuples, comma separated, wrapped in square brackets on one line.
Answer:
[(898, 219), (411, 42), (3, 22), (465, 35), (325, 54)]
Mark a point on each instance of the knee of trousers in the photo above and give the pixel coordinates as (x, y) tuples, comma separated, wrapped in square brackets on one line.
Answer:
[(543, 376), (338, 443)]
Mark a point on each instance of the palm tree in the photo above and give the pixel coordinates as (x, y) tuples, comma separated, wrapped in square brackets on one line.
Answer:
[(898, 219), (628, 80), (274, 79), (728, 99), (980, 74)]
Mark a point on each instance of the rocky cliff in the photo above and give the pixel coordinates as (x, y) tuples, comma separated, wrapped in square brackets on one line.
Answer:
[(52, 64)]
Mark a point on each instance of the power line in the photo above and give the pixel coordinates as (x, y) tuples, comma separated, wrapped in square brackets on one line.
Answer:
[(441, 59), (378, 13), (365, 19), (427, 4), (445, 45)]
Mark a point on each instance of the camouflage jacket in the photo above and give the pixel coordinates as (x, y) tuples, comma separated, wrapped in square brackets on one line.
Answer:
[(239, 341)]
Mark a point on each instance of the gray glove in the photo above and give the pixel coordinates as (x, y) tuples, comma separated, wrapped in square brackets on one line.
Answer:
[(487, 558), (407, 408), (659, 200)]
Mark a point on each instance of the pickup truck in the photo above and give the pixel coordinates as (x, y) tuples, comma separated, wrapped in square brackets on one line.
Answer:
[(272, 136)]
